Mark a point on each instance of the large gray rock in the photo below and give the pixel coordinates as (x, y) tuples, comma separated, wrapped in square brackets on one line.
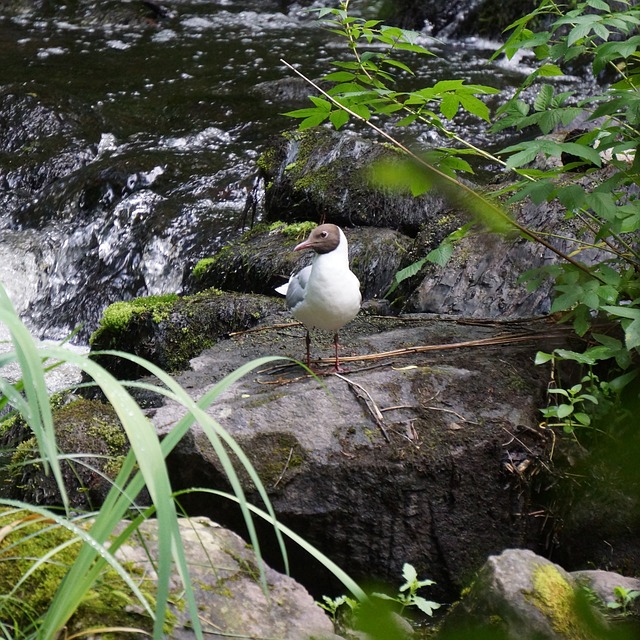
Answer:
[(230, 600), (427, 455)]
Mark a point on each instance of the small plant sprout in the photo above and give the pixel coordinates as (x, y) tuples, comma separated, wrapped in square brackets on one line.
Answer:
[(332, 605), (407, 595), (624, 599)]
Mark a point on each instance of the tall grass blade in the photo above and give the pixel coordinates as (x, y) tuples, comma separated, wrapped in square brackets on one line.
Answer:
[(38, 415)]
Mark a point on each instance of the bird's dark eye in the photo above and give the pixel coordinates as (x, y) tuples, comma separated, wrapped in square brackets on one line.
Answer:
[(324, 234)]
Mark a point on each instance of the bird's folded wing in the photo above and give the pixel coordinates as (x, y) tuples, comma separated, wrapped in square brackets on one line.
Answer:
[(296, 288)]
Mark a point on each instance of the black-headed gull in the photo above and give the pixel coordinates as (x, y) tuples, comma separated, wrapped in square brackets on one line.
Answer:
[(326, 294)]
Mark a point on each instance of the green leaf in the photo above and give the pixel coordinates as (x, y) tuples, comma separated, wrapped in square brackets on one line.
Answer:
[(581, 151), (338, 118), (361, 110), (409, 573), (426, 606), (542, 357), (571, 196), (527, 155), (313, 121), (475, 106), (340, 76), (582, 418), (599, 4), (441, 254), (564, 410), (543, 99), (449, 105), (321, 103), (549, 70)]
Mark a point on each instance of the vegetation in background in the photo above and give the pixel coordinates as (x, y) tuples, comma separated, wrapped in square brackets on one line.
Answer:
[(593, 172)]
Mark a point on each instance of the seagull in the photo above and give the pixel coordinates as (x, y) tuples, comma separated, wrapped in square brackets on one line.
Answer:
[(326, 294)]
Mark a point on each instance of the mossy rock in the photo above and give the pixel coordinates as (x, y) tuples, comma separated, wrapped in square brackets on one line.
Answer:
[(262, 259), (170, 332), (257, 262), (519, 595), (87, 427), (36, 554), (324, 175)]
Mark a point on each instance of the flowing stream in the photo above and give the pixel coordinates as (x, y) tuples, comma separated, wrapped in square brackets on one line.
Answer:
[(129, 136)]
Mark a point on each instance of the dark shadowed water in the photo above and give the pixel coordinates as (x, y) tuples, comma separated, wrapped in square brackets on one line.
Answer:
[(129, 137)]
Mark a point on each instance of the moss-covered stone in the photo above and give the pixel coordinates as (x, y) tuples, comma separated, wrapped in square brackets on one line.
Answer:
[(35, 555), (171, 332), (88, 428), (556, 599), (117, 316), (242, 264)]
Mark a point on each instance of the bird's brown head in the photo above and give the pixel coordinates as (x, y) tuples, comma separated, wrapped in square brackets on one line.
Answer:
[(322, 239)]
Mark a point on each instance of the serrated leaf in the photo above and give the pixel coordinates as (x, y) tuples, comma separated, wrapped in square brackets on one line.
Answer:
[(571, 197), (414, 48), (321, 103), (302, 113), (549, 70), (443, 86), (338, 118), (449, 105), (566, 301), (410, 119), (475, 106), (313, 121), (523, 157), (582, 151), (581, 322), (441, 254), (543, 99), (361, 110)]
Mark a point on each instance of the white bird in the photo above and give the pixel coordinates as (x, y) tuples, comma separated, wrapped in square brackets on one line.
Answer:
[(326, 294)]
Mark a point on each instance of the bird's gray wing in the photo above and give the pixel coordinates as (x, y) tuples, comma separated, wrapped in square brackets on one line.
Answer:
[(297, 287)]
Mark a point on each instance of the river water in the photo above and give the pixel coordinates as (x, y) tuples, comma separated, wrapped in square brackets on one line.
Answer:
[(129, 139)]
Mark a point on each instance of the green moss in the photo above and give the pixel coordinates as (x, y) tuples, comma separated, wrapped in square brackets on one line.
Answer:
[(268, 161), (556, 599), (29, 578), (202, 267), (23, 454), (116, 317), (179, 351)]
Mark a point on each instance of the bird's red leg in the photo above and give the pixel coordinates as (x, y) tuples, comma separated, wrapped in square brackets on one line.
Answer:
[(308, 342), (337, 366)]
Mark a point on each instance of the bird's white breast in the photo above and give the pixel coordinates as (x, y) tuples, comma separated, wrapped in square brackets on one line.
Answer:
[(331, 295)]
